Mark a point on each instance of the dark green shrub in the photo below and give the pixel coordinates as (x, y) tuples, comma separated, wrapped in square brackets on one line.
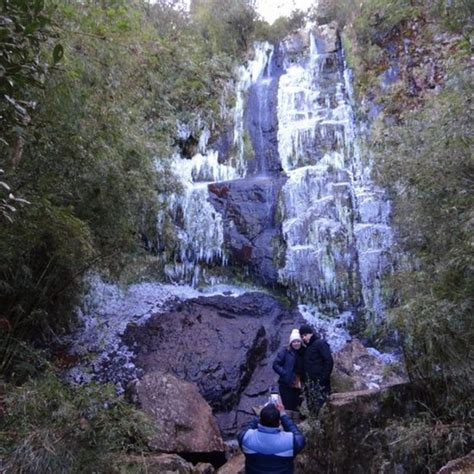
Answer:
[(427, 162), (49, 426), (421, 444)]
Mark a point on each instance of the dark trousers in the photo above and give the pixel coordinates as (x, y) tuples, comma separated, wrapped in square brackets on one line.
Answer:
[(291, 397), (316, 394)]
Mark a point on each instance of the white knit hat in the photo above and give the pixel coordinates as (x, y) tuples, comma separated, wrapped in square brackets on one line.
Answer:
[(295, 335)]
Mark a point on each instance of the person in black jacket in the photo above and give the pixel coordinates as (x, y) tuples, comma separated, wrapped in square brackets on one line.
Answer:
[(289, 366), (266, 447), (317, 368)]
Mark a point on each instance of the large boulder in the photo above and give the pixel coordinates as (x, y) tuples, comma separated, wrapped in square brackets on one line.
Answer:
[(158, 464), (183, 419), (225, 345), (235, 465), (347, 420), (464, 465)]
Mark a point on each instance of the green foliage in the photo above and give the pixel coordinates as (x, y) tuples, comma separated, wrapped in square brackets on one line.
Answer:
[(227, 25), (455, 14), (88, 173), (416, 443), (378, 18), (372, 39), (129, 72), (188, 73), (281, 27), (50, 426), (421, 444), (369, 18), (333, 10), (24, 26), (427, 162)]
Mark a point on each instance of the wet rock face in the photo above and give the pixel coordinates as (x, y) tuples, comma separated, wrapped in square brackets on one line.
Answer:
[(183, 420), (261, 121), (223, 144), (251, 230), (225, 345)]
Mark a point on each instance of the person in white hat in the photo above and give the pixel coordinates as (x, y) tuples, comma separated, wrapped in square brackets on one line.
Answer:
[(289, 366)]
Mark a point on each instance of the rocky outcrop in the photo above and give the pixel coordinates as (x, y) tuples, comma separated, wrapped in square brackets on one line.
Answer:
[(159, 464), (346, 421), (464, 465), (235, 465), (183, 420), (328, 38), (223, 344), (355, 368), (251, 230)]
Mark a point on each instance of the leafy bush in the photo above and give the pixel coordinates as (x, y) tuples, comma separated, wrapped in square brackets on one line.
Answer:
[(49, 426), (43, 253), (104, 117), (281, 27), (378, 18), (421, 444), (226, 25), (427, 162), (24, 27), (455, 14)]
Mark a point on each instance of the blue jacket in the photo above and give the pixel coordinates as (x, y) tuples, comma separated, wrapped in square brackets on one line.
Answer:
[(270, 450), (285, 365)]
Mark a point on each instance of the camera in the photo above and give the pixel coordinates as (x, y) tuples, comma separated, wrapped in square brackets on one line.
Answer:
[(274, 396)]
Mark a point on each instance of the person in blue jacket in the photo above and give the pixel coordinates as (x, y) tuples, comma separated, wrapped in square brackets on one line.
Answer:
[(289, 366), (267, 448)]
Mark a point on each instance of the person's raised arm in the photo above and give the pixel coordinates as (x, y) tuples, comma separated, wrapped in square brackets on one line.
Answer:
[(288, 425)]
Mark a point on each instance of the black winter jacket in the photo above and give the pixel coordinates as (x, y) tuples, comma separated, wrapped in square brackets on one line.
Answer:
[(285, 365), (318, 362)]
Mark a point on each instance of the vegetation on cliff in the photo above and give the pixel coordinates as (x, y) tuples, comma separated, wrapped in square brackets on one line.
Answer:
[(421, 142), (413, 84), (51, 426), (91, 96)]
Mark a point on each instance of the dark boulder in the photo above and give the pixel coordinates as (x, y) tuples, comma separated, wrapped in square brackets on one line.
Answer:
[(223, 344)]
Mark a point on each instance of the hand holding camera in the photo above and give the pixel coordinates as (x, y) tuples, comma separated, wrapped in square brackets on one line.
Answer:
[(276, 400)]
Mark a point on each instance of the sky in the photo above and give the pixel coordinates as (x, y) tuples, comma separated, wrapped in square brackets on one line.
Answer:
[(272, 9)]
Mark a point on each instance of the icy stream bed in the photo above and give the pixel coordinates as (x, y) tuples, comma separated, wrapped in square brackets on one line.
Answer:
[(108, 309), (104, 315)]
